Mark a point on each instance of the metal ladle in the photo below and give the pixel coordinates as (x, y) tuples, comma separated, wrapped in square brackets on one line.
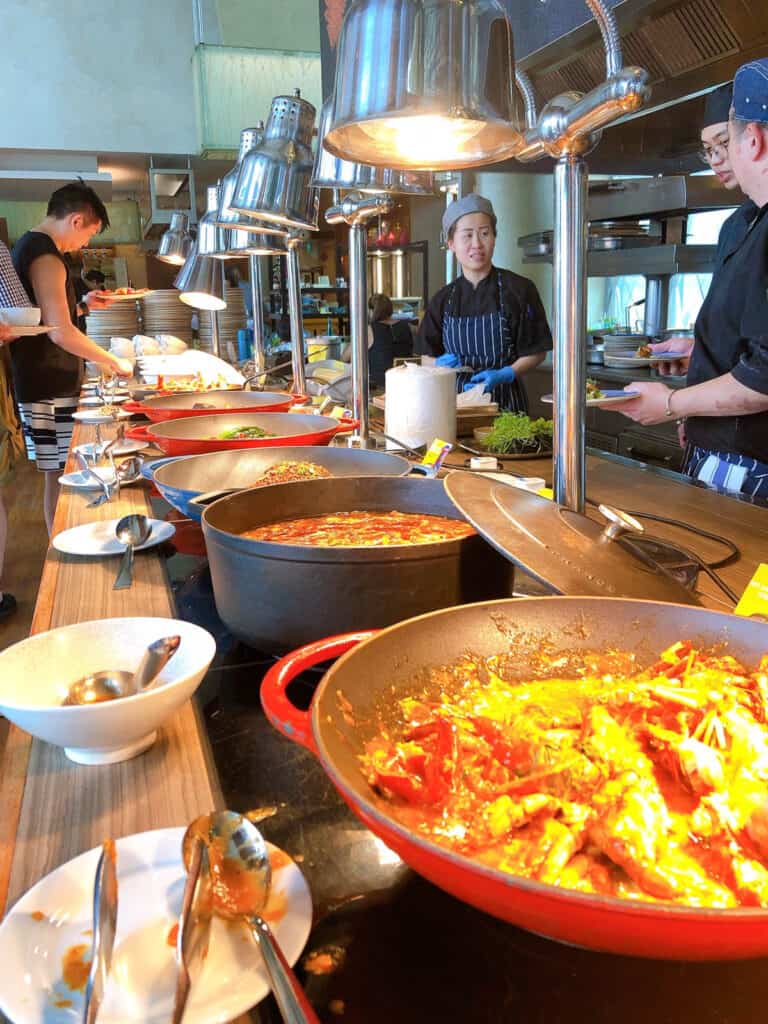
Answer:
[(131, 530), (234, 840), (111, 685)]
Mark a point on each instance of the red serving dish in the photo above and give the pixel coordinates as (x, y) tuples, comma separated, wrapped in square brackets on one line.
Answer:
[(210, 403), (197, 435)]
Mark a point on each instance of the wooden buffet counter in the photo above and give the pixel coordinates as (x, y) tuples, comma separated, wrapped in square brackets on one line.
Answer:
[(53, 810)]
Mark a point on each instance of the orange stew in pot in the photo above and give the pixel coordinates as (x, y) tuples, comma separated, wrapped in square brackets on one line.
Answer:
[(362, 529)]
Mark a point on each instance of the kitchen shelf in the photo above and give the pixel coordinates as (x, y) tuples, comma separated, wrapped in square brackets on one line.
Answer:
[(650, 260)]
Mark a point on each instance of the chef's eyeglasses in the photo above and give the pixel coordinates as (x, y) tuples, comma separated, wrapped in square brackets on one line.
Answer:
[(718, 152)]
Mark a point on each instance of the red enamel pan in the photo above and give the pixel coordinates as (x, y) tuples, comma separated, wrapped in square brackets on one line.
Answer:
[(197, 435)]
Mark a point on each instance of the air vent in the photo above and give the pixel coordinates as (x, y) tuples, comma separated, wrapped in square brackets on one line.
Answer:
[(668, 45)]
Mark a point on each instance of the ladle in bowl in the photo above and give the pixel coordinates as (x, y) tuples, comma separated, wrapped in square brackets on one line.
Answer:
[(241, 877), (111, 685)]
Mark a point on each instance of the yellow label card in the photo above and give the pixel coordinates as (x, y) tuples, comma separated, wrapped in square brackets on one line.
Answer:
[(754, 600)]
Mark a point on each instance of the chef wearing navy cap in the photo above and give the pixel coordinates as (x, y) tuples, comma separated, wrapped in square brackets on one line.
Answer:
[(488, 320), (725, 402)]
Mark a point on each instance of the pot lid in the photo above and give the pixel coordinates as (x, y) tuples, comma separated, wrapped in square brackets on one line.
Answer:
[(567, 552)]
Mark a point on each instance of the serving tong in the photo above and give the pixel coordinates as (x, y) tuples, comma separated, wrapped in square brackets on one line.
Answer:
[(104, 928)]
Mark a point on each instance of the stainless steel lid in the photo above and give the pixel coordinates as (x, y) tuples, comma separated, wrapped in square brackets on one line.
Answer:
[(568, 553)]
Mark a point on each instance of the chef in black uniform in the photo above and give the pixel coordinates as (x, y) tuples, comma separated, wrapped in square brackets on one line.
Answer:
[(725, 402), (714, 153), (489, 320)]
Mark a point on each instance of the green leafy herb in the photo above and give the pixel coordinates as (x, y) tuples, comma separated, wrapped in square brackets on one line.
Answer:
[(514, 432)]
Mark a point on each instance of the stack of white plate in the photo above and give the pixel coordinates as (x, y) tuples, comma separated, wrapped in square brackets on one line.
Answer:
[(163, 312), (231, 320), (120, 320)]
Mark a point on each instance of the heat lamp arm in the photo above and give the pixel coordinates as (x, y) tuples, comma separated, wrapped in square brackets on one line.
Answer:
[(525, 85), (611, 38)]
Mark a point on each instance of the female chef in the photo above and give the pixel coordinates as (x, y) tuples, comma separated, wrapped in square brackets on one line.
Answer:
[(489, 323)]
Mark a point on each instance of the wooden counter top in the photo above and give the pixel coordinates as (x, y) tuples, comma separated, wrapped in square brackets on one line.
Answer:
[(54, 809)]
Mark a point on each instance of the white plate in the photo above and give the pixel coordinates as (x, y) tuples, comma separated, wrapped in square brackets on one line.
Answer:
[(611, 398), (127, 447), (142, 980), (628, 358), (85, 482), (95, 400), (19, 331), (100, 539), (139, 294), (91, 416)]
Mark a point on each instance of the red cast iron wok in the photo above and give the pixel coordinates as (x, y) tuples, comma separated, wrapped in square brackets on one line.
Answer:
[(197, 435), (382, 668), (208, 403)]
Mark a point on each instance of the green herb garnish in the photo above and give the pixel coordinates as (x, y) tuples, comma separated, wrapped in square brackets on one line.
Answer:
[(516, 432)]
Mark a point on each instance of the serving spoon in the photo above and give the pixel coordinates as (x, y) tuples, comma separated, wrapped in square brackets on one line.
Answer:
[(111, 685), (131, 530), (241, 877)]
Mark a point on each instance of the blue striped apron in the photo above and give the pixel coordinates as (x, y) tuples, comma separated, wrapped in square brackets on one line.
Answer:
[(484, 343), (728, 472)]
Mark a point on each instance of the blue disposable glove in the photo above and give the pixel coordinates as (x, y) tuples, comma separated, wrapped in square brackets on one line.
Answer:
[(491, 379), (448, 359)]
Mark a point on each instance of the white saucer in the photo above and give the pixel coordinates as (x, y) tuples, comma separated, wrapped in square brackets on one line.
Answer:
[(126, 447), (91, 416), (95, 400), (610, 398), (100, 539), (142, 980), (85, 482)]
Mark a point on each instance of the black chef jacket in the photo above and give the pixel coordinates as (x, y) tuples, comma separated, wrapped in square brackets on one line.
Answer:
[(521, 305), (734, 230), (732, 337)]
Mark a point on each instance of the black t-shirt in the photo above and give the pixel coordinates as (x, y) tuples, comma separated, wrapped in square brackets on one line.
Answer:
[(42, 369), (735, 229), (732, 337), (520, 302)]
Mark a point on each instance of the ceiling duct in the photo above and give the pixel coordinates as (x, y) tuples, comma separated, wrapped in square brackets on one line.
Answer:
[(171, 190), (685, 47)]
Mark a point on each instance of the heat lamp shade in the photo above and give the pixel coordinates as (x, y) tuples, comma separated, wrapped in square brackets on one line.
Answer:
[(332, 172), (425, 84), (273, 183), (201, 282), (175, 243), (226, 217)]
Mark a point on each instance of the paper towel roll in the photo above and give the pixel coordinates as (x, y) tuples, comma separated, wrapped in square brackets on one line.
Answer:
[(420, 404)]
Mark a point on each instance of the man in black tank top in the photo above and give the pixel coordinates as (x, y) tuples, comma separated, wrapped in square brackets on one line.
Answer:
[(48, 368)]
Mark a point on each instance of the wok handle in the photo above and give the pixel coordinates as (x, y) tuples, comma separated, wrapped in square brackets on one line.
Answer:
[(131, 406), (285, 717), (139, 433), (345, 426)]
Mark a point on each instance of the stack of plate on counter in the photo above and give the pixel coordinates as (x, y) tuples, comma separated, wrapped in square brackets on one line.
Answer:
[(163, 312), (231, 320), (120, 320)]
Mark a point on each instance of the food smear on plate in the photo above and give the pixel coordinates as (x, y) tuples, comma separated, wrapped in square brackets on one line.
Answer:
[(38, 915), (75, 967), (644, 352), (594, 390), (173, 935), (289, 470), (242, 434), (278, 859), (515, 433), (276, 907), (606, 779), (362, 529)]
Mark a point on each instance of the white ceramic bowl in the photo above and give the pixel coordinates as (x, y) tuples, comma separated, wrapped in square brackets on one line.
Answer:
[(20, 316), (36, 673)]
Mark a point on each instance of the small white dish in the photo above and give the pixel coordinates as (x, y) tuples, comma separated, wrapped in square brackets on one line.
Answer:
[(20, 316), (610, 398), (85, 482), (93, 416), (126, 447), (95, 400), (141, 984), (98, 539)]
